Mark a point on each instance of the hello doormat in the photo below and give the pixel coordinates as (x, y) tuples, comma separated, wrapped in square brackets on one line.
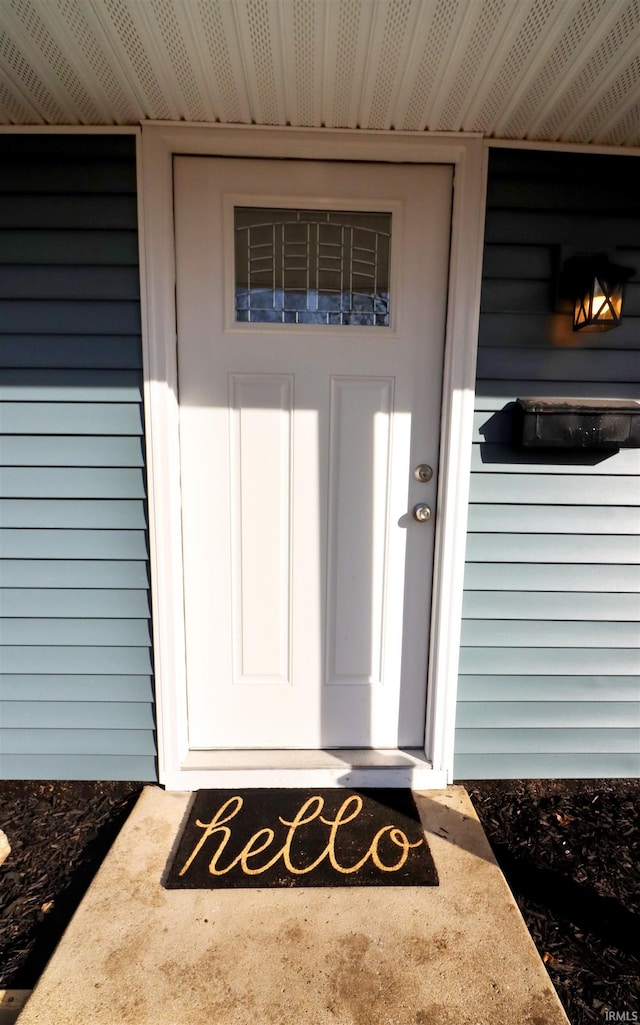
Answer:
[(267, 838)]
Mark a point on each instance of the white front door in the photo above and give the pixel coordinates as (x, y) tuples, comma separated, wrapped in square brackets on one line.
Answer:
[(311, 302)]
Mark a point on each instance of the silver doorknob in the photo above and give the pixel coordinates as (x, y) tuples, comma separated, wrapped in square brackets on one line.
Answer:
[(421, 513)]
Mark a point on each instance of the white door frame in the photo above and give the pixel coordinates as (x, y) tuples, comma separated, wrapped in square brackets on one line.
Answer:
[(180, 769)]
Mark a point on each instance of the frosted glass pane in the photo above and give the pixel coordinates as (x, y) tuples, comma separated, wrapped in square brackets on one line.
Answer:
[(312, 266)]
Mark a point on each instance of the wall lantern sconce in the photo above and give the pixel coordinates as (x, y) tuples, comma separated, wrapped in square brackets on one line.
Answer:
[(596, 287)]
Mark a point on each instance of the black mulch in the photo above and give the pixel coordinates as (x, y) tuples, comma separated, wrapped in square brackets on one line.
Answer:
[(59, 834), (570, 851)]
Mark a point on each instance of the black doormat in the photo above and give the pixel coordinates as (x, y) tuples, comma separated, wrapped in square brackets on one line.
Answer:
[(267, 838)]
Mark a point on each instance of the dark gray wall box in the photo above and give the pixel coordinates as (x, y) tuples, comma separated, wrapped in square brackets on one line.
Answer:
[(591, 424)]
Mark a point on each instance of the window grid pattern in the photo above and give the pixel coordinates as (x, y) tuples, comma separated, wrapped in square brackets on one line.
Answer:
[(312, 267)]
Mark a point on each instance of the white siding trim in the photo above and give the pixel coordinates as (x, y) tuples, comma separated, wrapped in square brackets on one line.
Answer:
[(458, 400), (468, 155)]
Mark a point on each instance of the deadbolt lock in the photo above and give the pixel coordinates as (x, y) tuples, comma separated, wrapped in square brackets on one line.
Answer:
[(423, 473)]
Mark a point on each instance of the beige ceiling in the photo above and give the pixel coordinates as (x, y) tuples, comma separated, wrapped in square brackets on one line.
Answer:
[(565, 70)]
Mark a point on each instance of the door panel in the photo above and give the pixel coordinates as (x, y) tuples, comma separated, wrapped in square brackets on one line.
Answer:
[(307, 581), (261, 408), (360, 412)]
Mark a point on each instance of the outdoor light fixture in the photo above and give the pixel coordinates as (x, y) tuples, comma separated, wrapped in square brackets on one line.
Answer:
[(597, 287)]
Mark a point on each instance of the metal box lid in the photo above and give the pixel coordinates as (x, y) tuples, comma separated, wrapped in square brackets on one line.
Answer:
[(596, 424)]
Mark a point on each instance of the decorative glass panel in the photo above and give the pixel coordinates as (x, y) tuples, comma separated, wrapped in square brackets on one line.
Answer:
[(312, 266)]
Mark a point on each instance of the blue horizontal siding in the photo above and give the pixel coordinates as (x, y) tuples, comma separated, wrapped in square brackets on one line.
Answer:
[(73, 544), (521, 547), (548, 183), (550, 653), (552, 577), (509, 715), (535, 228), (98, 248), (548, 765), (79, 418), (568, 633), (518, 262), (548, 688), (70, 283), (56, 451), (594, 740), (36, 630), (115, 514), (76, 352), (53, 659), (521, 329), (76, 684), (564, 606), (486, 517), (79, 317), (69, 171), (69, 211), (626, 462), (72, 482), (77, 715), (553, 489), (74, 603), (77, 741), (501, 661), (558, 365), (69, 385), (74, 688), (71, 766), (100, 572), (528, 295)]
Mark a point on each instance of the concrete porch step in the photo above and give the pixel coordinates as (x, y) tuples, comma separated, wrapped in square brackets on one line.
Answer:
[(12, 1002), (456, 954)]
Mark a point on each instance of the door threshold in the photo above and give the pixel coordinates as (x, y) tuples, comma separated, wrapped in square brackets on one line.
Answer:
[(286, 768)]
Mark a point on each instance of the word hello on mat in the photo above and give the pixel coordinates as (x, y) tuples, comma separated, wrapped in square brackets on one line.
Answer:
[(296, 838), (263, 839)]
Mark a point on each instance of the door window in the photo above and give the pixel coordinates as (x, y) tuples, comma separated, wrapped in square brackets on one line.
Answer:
[(312, 266)]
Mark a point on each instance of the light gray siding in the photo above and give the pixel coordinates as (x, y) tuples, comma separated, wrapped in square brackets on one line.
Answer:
[(550, 661), (76, 694)]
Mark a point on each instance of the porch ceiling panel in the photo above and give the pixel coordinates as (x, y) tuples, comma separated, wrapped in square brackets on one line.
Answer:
[(553, 70)]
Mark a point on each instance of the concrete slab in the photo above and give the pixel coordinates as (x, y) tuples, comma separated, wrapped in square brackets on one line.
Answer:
[(456, 954)]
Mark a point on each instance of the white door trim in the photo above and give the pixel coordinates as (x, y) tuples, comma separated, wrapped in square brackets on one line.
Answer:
[(180, 769)]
